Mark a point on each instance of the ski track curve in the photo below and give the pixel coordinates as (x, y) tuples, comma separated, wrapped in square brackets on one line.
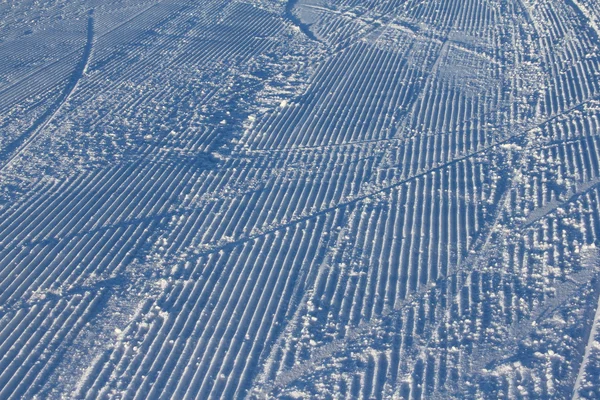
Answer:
[(18, 146), (395, 201)]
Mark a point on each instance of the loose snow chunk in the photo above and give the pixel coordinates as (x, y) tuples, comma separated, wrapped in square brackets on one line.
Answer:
[(510, 146)]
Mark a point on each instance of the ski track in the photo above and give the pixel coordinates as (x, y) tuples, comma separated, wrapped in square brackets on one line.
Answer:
[(302, 199), (14, 149)]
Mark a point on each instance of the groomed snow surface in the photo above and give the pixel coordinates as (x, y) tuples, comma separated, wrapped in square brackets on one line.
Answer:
[(313, 199)]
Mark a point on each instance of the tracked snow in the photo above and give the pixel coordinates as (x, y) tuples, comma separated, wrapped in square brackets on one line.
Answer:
[(299, 199)]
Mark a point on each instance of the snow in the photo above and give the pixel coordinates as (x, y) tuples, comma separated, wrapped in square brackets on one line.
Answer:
[(299, 199)]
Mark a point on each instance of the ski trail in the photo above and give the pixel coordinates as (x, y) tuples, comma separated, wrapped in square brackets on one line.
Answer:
[(552, 206), (591, 338), (487, 355), (264, 386), (482, 252), (14, 149), (304, 28), (355, 333), (593, 23)]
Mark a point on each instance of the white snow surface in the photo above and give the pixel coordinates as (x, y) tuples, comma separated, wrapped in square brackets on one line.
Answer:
[(304, 199)]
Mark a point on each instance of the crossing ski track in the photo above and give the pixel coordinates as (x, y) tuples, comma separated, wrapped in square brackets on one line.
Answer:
[(592, 336), (302, 199), (289, 13), (14, 149)]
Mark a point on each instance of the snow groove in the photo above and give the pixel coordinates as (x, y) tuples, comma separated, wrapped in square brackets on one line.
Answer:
[(12, 150), (221, 207)]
